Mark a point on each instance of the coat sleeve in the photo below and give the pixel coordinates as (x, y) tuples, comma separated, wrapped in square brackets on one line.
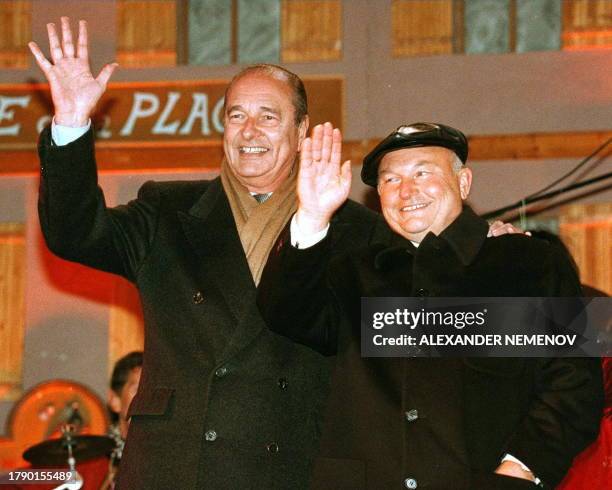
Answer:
[(76, 223), (294, 297), (567, 403)]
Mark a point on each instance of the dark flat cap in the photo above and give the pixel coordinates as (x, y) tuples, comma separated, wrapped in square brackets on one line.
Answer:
[(411, 136)]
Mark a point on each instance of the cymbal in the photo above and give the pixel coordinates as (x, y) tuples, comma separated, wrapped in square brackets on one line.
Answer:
[(55, 451)]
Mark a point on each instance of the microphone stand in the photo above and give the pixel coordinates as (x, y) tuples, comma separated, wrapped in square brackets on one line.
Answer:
[(77, 481)]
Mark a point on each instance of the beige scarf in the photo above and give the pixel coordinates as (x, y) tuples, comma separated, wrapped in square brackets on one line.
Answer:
[(259, 224)]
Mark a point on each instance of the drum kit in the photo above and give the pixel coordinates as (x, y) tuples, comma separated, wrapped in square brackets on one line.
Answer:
[(71, 449)]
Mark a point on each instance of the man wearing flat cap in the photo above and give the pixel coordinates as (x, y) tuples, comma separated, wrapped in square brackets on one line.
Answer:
[(437, 423)]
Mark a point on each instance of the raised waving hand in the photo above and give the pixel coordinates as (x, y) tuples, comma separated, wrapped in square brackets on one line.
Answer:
[(323, 182), (74, 90)]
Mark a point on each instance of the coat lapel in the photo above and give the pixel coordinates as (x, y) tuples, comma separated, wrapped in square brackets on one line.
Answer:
[(210, 228)]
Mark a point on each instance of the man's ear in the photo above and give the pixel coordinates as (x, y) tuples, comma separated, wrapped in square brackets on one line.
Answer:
[(303, 131), (114, 402), (464, 177)]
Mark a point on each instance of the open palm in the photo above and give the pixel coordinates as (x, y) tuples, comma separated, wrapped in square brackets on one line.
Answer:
[(323, 183), (74, 90)]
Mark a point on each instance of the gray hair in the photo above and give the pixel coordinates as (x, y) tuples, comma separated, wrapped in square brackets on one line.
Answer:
[(300, 101), (457, 164)]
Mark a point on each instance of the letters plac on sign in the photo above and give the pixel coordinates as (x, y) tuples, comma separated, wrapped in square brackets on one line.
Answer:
[(144, 112)]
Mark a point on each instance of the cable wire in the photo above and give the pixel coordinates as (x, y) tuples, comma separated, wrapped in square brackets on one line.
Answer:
[(571, 172)]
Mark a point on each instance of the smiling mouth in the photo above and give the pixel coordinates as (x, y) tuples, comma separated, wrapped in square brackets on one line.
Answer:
[(252, 149), (414, 207)]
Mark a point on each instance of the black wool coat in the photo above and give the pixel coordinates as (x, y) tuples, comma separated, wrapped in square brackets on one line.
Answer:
[(440, 423), (223, 402)]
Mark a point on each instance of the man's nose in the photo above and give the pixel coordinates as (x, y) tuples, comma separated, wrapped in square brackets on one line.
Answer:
[(249, 129), (408, 188)]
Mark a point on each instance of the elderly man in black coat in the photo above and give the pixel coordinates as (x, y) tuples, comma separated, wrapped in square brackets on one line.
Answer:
[(450, 423)]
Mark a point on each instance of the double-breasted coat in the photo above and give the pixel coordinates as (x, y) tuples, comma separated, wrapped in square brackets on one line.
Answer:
[(441, 423), (223, 402)]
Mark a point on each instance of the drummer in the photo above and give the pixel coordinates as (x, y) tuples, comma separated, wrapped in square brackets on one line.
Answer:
[(123, 387)]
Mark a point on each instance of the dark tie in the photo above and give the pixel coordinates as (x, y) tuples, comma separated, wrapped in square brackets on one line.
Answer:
[(261, 198)]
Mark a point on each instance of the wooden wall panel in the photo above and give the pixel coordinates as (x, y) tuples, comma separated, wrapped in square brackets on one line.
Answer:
[(126, 325), (587, 24), (146, 33), (12, 312), (537, 145), (15, 33), (311, 30), (587, 231), (510, 146), (422, 27)]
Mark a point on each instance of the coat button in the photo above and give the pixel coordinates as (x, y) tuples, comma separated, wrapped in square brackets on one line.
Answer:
[(283, 383), (410, 483), (210, 435), (412, 415), (222, 371), (422, 292), (272, 447), (198, 298)]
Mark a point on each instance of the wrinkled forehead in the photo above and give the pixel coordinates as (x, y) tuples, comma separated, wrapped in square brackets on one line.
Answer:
[(408, 159), (259, 88)]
